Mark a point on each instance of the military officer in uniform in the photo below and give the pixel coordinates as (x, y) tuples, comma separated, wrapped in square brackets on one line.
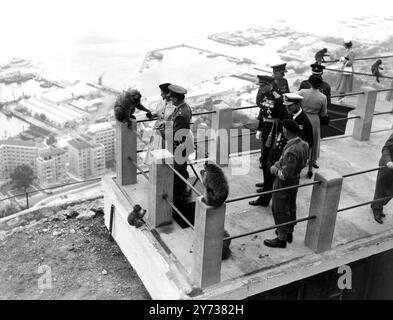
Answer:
[(181, 118), (292, 101), (280, 83), (325, 87), (125, 106), (384, 183), (287, 173), (271, 113)]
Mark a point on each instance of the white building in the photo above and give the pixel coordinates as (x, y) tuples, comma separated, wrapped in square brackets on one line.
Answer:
[(103, 133), (51, 166), (86, 159), (15, 152)]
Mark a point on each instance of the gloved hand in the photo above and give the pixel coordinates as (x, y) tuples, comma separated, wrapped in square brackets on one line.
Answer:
[(276, 95), (149, 115), (273, 170), (390, 164), (258, 135), (342, 59)]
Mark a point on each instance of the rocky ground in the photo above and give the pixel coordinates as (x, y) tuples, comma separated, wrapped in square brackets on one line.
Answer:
[(67, 256)]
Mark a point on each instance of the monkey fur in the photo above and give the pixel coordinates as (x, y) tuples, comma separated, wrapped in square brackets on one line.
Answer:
[(135, 216), (216, 185)]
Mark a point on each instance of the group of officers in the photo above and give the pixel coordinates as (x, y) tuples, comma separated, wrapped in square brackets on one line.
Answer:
[(286, 135)]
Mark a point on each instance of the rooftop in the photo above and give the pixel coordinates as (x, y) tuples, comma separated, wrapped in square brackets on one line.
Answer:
[(79, 144), (16, 142), (96, 127)]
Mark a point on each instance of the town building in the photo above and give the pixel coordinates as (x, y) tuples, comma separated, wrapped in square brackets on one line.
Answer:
[(51, 166), (103, 133), (86, 159), (15, 152)]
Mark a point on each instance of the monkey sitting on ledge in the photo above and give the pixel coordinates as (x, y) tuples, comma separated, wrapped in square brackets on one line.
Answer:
[(125, 105), (216, 192), (135, 216)]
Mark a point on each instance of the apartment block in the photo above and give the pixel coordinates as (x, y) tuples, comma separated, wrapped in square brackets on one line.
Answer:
[(86, 159), (103, 133), (51, 166), (15, 152)]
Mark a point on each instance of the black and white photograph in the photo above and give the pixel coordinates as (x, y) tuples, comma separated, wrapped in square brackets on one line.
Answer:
[(196, 151)]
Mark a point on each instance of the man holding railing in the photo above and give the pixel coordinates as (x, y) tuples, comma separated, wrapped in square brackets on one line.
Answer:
[(384, 183), (287, 173)]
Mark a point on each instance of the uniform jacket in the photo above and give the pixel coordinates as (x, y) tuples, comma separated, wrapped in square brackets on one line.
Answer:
[(306, 132), (293, 159), (325, 89), (270, 107), (281, 86), (181, 118)]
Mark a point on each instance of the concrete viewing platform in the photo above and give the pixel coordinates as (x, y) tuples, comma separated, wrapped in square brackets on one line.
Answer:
[(182, 263)]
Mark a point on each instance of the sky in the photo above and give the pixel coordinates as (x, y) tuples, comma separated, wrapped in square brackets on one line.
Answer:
[(28, 26)]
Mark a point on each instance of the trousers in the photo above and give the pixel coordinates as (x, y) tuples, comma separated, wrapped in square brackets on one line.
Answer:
[(284, 206)]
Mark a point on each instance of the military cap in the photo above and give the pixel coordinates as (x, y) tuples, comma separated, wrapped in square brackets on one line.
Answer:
[(291, 98), (317, 68), (291, 125), (348, 43), (264, 79), (280, 67), (173, 88), (164, 87)]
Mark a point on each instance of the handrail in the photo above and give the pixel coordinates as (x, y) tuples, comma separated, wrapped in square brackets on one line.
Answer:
[(364, 203), (359, 59), (253, 195), (347, 94), (243, 108), (269, 228), (139, 168), (348, 118), (178, 212), (184, 180), (364, 171), (358, 73)]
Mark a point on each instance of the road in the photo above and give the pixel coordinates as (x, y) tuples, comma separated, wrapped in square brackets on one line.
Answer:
[(37, 199)]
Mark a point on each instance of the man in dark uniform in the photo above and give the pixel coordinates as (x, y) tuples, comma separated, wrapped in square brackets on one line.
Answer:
[(125, 105), (271, 113), (280, 83), (325, 87), (292, 101), (181, 118), (287, 172), (384, 183)]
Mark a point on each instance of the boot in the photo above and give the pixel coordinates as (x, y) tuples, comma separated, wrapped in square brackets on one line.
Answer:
[(275, 243), (309, 174), (259, 184), (257, 203)]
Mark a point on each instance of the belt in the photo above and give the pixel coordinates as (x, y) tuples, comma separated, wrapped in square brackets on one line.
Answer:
[(268, 120)]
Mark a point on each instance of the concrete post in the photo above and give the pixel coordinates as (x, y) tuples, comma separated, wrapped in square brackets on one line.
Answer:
[(125, 148), (208, 236), (201, 145), (365, 109), (160, 185), (221, 125), (324, 204)]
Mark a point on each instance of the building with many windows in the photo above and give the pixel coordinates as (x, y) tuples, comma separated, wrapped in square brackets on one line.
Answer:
[(86, 159), (51, 166), (15, 152), (103, 133)]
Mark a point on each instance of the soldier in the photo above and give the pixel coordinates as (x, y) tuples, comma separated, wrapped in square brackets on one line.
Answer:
[(325, 87), (280, 83), (292, 101), (320, 56), (384, 183), (287, 172), (125, 105), (375, 69), (181, 118), (271, 113)]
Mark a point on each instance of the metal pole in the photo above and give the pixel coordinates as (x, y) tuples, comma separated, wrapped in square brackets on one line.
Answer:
[(112, 212), (361, 172), (269, 228), (27, 199), (364, 203), (184, 180), (179, 213)]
